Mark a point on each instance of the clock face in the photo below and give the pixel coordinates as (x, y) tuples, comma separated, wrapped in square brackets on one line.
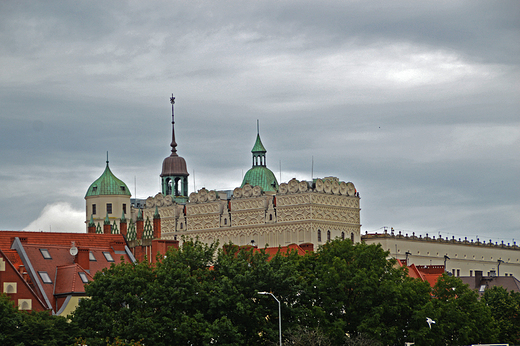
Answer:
[(73, 251)]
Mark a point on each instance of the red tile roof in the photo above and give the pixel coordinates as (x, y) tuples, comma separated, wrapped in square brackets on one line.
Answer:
[(62, 267)]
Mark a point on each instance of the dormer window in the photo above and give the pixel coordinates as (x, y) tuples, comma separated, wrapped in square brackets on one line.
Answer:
[(94, 189), (108, 256), (123, 188), (83, 277), (45, 253), (45, 277)]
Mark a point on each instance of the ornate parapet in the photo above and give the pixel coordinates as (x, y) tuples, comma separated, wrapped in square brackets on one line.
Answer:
[(439, 239)]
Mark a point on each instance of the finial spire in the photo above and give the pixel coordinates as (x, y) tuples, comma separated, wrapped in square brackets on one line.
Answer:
[(107, 157), (173, 143), (257, 126)]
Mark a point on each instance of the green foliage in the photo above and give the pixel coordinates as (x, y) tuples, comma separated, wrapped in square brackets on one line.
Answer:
[(32, 328), (343, 294), (505, 309), (460, 317)]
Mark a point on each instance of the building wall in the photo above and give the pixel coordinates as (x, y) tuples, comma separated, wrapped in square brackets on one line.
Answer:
[(101, 208), (465, 256), (15, 286), (297, 213)]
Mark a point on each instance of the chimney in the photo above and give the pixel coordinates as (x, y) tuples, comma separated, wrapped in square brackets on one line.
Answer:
[(82, 258)]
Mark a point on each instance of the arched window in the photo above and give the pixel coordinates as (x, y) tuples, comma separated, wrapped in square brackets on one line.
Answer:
[(328, 235), (177, 192), (270, 217), (225, 221), (352, 237), (319, 235), (181, 225), (168, 186), (342, 235)]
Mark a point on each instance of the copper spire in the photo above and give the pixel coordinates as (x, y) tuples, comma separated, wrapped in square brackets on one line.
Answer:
[(173, 143)]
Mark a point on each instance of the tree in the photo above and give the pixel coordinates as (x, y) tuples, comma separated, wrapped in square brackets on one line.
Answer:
[(10, 320), (32, 328), (505, 309), (353, 289), (460, 317)]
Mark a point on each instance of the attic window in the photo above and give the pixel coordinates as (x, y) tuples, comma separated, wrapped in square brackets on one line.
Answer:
[(83, 277), (45, 277), (45, 253), (108, 256), (91, 256), (94, 189), (123, 188)]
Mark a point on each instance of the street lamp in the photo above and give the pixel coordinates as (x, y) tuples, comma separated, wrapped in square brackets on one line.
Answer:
[(279, 313)]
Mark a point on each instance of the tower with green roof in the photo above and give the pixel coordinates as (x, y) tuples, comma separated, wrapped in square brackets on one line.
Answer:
[(259, 174), (107, 196)]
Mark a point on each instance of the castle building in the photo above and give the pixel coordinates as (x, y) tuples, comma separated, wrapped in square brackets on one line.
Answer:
[(264, 213), (261, 212)]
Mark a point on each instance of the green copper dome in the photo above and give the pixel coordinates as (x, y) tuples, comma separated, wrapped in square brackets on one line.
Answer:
[(261, 176), (108, 184)]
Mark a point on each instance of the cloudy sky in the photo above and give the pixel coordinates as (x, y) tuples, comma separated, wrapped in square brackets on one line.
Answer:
[(417, 103)]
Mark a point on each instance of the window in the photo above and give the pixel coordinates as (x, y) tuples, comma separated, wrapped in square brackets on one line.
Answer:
[(108, 256), (471, 273), (458, 272), (94, 189), (319, 235), (352, 237), (83, 277), (45, 253), (109, 208), (24, 304), (328, 235), (342, 235), (45, 277), (10, 287), (124, 208), (123, 188), (91, 256), (93, 209)]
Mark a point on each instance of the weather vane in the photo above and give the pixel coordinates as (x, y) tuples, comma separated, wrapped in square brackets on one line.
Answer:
[(172, 100)]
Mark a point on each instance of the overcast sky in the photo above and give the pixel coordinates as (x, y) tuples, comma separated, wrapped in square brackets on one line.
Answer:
[(417, 103)]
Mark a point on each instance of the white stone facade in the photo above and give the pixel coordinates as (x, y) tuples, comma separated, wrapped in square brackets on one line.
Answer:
[(465, 256), (300, 212)]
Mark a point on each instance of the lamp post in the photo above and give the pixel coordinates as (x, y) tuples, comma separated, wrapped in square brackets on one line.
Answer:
[(279, 313)]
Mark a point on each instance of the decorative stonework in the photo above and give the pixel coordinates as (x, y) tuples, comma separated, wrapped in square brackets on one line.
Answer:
[(294, 214)]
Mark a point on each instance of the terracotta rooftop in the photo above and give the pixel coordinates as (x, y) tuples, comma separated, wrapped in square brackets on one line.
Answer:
[(52, 270)]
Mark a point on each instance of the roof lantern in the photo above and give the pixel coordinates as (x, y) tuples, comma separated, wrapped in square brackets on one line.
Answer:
[(259, 174)]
